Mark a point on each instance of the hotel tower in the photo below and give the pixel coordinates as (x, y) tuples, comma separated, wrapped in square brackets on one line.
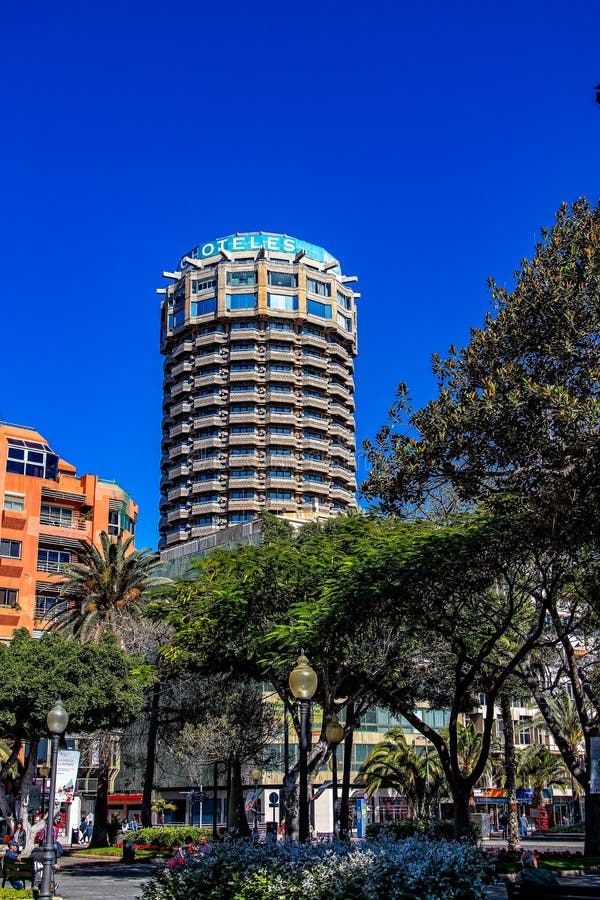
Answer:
[(258, 331)]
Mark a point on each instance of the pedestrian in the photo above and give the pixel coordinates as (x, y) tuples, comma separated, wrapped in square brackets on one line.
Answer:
[(13, 853), (523, 826), (503, 822), (83, 829), (20, 836)]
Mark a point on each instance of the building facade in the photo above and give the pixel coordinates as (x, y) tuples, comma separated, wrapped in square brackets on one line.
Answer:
[(258, 332), (47, 512)]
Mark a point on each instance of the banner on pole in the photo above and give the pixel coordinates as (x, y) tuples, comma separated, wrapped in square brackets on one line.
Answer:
[(67, 765), (595, 765)]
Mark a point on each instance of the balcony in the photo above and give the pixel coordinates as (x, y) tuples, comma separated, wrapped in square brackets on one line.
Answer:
[(75, 524), (48, 608), (183, 347), (179, 493), (183, 408), (181, 387), (181, 368), (52, 567), (178, 515), (179, 430)]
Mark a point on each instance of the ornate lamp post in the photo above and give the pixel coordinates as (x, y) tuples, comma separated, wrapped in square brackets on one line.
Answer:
[(44, 771), (57, 721), (303, 684), (255, 775), (334, 733)]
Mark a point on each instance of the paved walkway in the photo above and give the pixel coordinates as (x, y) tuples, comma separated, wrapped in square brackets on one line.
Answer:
[(80, 879)]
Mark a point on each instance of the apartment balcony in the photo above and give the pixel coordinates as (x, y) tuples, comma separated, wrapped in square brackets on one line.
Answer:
[(75, 524), (320, 343), (180, 514), (313, 381), (248, 418), (183, 408), (344, 494), (315, 362), (275, 418), (179, 430), (202, 509), (341, 431), (205, 402), (282, 506), (201, 465), (178, 472), (319, 403), (53, 568), (240, 440), (313, 444), (244, 354), (212, 484), (208, 340), (280, 356), (179, 450), (181, 388), (179, 493), (199, 531), (245, 375), (184, 347), (315, 465), (214, 420), (336, 367), (250, 505), (182, 368), (48, 608), (176, 537)]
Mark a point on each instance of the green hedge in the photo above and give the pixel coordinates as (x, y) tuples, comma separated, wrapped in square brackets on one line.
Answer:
[(167, 835), (435, 829), (11, 894)]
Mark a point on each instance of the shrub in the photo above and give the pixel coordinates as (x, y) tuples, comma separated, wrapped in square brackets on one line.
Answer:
[(436, 829), (9, 893), (414, 869), (168, 835)]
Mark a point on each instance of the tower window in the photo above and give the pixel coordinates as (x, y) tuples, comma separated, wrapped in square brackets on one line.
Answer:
[(241, 278), (240, 301)]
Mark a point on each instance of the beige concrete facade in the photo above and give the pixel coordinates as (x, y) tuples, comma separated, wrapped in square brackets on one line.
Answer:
[(259, 336)]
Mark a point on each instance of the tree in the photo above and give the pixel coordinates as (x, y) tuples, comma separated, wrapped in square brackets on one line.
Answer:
[(104, 593), (516, 420), (104, 589), (540, 769), (98, 685), (397, 765)]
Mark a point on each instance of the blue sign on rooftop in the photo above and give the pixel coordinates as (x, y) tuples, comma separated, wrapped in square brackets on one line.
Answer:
[(252, 241)]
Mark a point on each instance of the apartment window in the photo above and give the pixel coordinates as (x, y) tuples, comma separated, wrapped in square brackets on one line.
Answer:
[(242, 326), (208, 454), (344, 301), (242, 429), (279, 410), (206, 284), (52, 560), (243, 367), (240, 517), (203, 307), (313, 435), (242, 473), (10, 549), (312, 476), (289, 302), (279, 495), (240, 301), (238, 348), (241, 278), (280, 389), (279, 429), (310, 392), (279, 473), (279, 326), (241, 388), (280, 451), (313, 454), (280, 348), (310, 351), (208, 498), (524, 730), (209, 370), (238, 409), (283, 279), (56, 515), (322, 288), (242, 451), (9, 597), (344, 322), (312, 373), (31, 458), (15, 502), (314, 308), (201, 521), (279, 367), (312, 414), (204, 476), (208, 433), (308, 329), (212, 329), (242, 495)]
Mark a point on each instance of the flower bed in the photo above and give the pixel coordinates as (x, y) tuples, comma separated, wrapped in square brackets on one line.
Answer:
[(415, 869)]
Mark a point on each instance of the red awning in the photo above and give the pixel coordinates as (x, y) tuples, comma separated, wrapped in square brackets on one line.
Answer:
[(120, 799)]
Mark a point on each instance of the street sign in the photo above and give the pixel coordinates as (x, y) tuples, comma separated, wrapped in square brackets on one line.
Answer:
[(273, 799)]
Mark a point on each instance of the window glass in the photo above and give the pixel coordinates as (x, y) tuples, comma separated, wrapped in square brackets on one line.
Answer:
[(206, 284), (242, 473), (280, 473), (314, 308), (280, 451), (343, 321), (344, 301), (238, 348), (9, 597), (241, 278), (279, 495), (283, 279), (10, 549), (242, 429), (282, 301), (240, 301), (279, 429), (14, 501), (241, 517), (279, 326), (241, 326), (322, 288), (203, 307), (56, 515)]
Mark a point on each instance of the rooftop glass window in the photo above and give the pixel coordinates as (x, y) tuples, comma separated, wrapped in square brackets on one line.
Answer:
[(344, 322), (344, 301), (241, 278), (289, 302), (283, 279), (314, 308), (205, 284), (322, 288), (240, 301), (203, 307), (31, 458)]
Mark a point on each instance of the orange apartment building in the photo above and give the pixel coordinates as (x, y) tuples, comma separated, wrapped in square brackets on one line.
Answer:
[(48, 511)]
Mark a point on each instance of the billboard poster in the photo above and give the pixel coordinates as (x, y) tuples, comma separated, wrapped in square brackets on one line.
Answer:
[(595, 765), (67, 765)]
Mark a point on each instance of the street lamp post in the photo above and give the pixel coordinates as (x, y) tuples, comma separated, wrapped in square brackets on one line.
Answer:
[(57, 721), (334, 733), (303, 684), (255, 775), (44, 771)]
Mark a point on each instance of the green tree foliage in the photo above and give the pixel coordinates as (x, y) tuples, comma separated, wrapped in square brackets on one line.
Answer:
[(97, 683), (105, 587), (539, 769), (516, 421), (413, 772)]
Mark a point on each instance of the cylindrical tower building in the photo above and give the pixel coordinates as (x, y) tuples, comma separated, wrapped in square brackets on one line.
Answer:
[(258, 331)]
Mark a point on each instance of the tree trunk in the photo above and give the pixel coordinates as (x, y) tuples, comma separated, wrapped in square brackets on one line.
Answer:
[(146, 811), (236, 813), (461, 799), (592, 824), (510, 772), (345, 818), (100, 832)]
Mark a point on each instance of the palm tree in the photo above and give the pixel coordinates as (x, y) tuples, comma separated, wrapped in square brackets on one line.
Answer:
[(105, 587), (539, 768), (396, 764), (104, 593), (569, 722)]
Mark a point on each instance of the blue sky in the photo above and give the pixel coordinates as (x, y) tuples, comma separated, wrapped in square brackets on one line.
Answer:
[(422, 144)]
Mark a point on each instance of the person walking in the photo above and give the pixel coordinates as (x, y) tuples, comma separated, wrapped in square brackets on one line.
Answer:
[(523, 826)]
